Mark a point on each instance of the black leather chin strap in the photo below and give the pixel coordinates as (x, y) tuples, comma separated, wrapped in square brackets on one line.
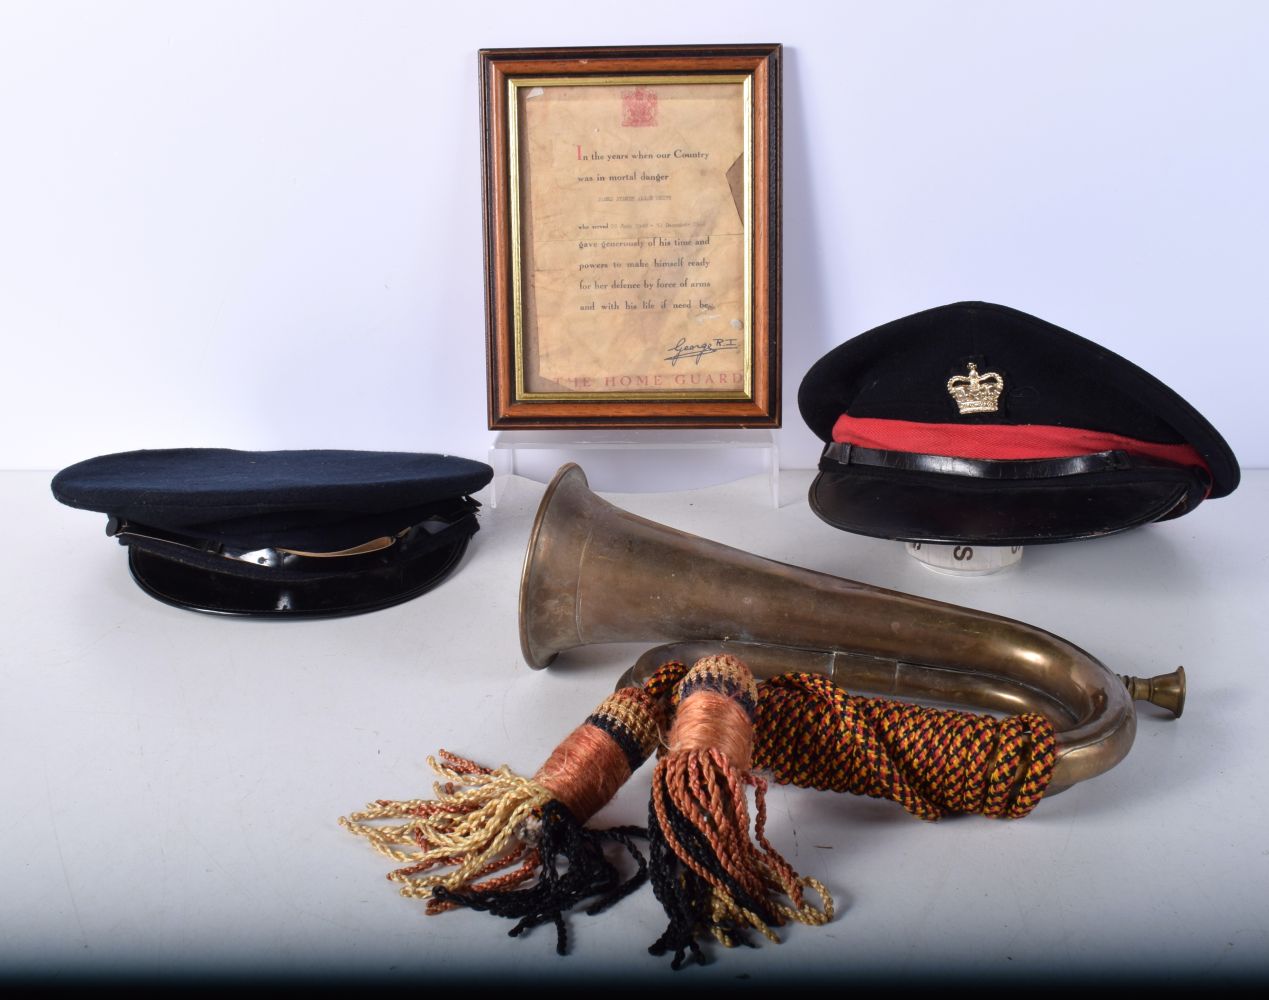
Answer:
[(452, 520), (842, 453)]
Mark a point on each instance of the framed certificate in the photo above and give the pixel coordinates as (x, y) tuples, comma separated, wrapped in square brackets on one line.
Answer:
[(632, 236)]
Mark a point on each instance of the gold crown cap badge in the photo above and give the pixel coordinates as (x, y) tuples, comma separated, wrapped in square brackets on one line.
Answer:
[(976, 393)]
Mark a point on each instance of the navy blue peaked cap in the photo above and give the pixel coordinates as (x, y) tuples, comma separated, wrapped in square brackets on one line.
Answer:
[(312, 533)]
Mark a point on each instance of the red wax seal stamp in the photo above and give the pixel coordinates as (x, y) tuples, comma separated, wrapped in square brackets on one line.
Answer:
[(638, 107)]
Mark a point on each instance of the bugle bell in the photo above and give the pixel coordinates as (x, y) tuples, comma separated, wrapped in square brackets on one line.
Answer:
[(594, 573)]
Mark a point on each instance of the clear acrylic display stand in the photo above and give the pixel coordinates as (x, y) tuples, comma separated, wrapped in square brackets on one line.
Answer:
[(965, 560), (506, 444)]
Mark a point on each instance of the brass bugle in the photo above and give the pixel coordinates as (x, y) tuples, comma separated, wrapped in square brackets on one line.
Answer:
[(594, 573)]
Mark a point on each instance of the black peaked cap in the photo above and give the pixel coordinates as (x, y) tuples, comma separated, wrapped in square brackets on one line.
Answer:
[(904, 460)]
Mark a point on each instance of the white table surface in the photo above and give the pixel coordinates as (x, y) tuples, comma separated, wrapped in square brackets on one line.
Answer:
[(171, 781)]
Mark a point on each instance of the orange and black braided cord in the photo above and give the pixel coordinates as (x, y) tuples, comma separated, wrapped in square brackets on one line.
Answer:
[(810, 733), (934, 762)]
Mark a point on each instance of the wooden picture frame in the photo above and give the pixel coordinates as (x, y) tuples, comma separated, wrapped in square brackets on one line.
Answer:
[(632, 236)]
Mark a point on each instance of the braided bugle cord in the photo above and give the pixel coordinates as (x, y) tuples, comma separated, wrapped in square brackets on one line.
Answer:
[(518, 847), (708, 874), (933, 762)]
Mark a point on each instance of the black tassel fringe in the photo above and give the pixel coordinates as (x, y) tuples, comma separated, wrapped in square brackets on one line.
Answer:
[(574, 868)]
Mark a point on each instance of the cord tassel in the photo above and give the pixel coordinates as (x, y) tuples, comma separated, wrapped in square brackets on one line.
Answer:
[(709, 875), (518, 847)]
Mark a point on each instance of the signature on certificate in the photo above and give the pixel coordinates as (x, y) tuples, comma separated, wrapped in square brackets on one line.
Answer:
[(683, 349)]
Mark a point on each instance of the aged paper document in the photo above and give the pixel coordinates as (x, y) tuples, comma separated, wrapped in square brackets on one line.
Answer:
[(633, 220)]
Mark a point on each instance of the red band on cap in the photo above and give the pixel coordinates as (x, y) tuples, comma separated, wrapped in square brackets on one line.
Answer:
[(1000, 441)]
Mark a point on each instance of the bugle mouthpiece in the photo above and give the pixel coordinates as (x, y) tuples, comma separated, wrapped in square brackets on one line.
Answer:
[(1165, 690)]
